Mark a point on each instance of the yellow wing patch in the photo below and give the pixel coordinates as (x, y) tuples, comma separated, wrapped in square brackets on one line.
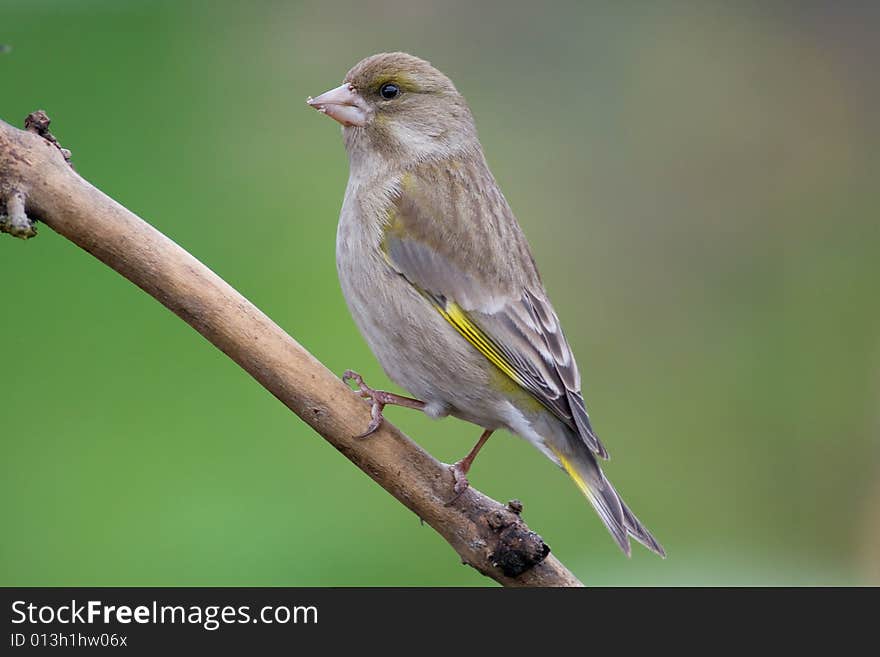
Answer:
[(453, 314)]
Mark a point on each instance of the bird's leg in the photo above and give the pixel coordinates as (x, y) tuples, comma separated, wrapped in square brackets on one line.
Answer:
[(379, 399), (461, 468)]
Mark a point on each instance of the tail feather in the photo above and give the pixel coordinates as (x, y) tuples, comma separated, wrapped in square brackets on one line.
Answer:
[(616, 515), (638, 531)]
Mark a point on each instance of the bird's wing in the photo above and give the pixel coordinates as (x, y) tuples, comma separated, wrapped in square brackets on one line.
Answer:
[(440, 227)]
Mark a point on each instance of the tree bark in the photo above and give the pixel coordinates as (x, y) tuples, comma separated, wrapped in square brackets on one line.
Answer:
[(38, 183)]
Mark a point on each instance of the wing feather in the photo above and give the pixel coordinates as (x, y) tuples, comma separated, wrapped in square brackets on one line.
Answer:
[(503, 312)]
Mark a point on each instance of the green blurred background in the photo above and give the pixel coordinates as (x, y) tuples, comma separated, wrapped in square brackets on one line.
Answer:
[(700, 185)]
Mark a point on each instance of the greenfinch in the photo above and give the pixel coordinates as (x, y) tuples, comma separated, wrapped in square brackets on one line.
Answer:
[(441, 282)]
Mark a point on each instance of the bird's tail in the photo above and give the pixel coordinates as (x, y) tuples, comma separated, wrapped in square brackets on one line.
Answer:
[(620, 521)]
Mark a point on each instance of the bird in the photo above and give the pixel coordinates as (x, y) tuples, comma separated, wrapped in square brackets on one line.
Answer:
[(441, 282)]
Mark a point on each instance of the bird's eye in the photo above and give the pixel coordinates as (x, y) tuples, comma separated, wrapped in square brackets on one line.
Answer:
[(389, 91)]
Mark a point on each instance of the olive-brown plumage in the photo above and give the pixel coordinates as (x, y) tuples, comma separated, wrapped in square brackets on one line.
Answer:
[(441, 282)]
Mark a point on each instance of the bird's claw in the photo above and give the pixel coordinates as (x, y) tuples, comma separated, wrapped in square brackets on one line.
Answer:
[(351, 375), (376, 417), (459, 476), (377, 398)]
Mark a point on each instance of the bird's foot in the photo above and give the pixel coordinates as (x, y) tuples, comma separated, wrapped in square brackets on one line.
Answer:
[(462, 467), (459, 476), (379, 399)]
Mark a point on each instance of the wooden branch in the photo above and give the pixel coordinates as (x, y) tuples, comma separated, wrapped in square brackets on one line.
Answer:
[(37, 182)]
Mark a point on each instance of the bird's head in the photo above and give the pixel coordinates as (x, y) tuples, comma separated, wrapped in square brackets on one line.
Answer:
[(396, 106)]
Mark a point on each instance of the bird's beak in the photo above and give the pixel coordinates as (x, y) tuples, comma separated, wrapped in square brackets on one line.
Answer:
[(343, 104)]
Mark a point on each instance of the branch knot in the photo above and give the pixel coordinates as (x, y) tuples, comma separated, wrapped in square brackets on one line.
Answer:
[(518, 548), (38, 123), (14, 221)]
